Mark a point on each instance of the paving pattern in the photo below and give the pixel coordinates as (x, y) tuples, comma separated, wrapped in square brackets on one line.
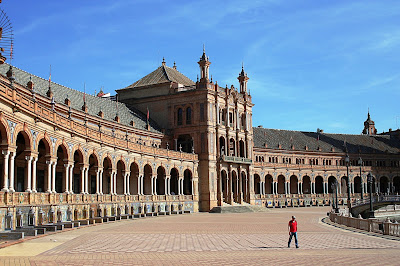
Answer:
[(203, 238)]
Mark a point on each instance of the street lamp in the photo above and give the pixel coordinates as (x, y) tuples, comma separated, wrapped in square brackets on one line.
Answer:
[(334, 186), (360, 162), (371, 207), (347, 161)]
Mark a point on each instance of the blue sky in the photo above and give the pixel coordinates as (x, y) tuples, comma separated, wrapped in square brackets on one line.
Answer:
[(311, 64)]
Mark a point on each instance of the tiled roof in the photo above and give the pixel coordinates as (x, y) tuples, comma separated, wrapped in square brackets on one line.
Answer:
[(163, 74), (273, 138), (94, 104)]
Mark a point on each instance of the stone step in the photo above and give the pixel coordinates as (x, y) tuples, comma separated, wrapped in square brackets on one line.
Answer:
[(238, 209)]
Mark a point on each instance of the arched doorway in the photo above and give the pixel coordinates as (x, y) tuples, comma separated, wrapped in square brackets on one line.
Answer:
[(293, 185), (319, 185), (77, 173), (187, 182), (241, 149), (61, 175), (257, 182), (42, 169), (134, 179), (384, 184), (120, 177), (107, 171), (161, 181), (343, 185), (174, 181), (147, 179), (281, 184), (222, 148), (331, 184), (357, 184), (93, 168), (20, 163), (268, 184), (396, 185), (306, 185)]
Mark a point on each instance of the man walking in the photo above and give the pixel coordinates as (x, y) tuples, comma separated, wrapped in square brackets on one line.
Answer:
[(293, 231)]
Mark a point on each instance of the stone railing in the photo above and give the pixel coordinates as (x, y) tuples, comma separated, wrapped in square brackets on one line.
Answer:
[(32, 199), (371, 225), (40, 108), (234, 159)]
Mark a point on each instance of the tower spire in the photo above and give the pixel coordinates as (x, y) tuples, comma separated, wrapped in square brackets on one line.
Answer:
[(204, 64), (243, 80)]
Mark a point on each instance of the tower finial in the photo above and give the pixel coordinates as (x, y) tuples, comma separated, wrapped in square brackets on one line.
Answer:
[(204, 48), (163, 61)]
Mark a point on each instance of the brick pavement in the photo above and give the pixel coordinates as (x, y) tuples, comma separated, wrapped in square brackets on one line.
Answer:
[(203, 238)]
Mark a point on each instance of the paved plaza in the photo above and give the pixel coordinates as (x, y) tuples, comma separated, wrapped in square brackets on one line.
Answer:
[(210, 239)]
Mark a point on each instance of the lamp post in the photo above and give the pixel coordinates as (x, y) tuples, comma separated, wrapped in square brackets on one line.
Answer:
[(334, 186), (347, 161), (371, 207), (360, 162)]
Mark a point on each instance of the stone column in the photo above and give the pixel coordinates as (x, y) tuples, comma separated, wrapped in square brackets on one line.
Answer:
[(29, 162), (101, 175), (115, 183), (48, 176), (127, 177), (82, 180), (140, 184), (273, 187), (5, 170), (286, 188), (301, 187), (155, 185), (12, 168), (98, 171), (192, 183), (324, 187), (87, 180), (298, 187), (166, 185), (34, 161), (66, 167), (53, 189), (71, 178)]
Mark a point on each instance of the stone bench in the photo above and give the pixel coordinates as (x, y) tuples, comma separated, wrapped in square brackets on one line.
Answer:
[(124, 216), (137, 216), (105, 219), (98, 220), (27, 231), (83, 222), (12, 235), (48, 227)]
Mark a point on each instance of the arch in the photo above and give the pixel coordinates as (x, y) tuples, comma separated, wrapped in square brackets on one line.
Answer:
[(243, 176), (161, 189), (234, 183), (134, 179), (222, 147), (179, 116), (189, 115), (78, 160), (306, 184), (383, 184), (107, 171), (20, 164), (232, 147), (4, 132), (331, 184), (343, 185), (268, 184), (293, 185), (121, 167), (357, 184), (174, 173), (281, 184), (147, 179), (319, 185), (187, 182), (396, 185), (241, 149), (64, 147), (61, 178), (42, 171), (93, 168), (223, 183), (46, 142), (21, 130), (257, 182)]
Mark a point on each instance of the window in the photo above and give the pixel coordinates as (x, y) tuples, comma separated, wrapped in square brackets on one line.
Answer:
[(188, 116), (180, 114), (202, 116), (230, 119)]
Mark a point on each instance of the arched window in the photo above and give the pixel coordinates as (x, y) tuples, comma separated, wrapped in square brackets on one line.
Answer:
[(188, 116), (180, 118)]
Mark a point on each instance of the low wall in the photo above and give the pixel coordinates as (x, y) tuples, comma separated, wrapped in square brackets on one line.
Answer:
[(370, 225)]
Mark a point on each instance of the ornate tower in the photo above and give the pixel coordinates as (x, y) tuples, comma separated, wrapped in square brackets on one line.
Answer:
[(204, 64), (243, 81), (369, 126)]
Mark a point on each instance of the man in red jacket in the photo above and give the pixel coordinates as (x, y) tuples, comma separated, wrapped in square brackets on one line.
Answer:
[(293, 231)]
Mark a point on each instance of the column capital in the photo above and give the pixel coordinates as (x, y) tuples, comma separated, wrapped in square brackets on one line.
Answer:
[(5, 152), (28, 158)]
